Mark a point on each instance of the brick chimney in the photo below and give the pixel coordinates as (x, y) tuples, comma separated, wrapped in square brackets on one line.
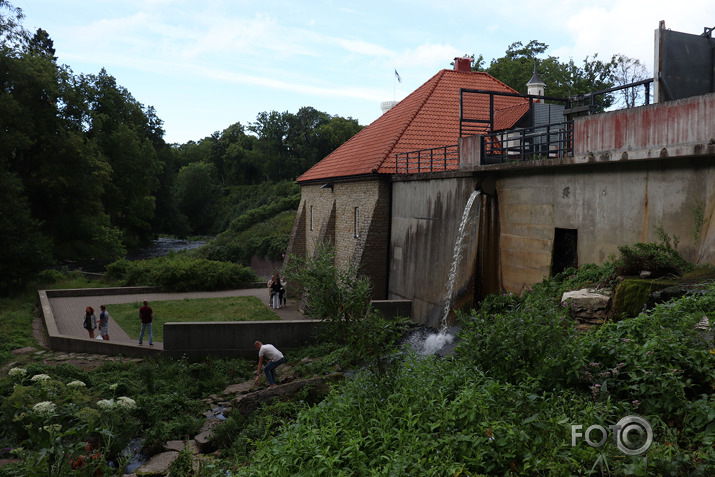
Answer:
[(463, 65)]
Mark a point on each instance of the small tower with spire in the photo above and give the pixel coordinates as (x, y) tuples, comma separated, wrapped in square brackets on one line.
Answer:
[(535, 85)]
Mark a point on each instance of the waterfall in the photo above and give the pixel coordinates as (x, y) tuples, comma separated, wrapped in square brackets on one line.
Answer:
[(457, 257), (431, 343)]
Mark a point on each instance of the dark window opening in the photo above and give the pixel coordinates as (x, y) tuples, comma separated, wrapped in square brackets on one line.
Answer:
[(565, 252)]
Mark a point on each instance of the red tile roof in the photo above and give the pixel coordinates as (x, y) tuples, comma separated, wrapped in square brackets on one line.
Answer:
[(427, 118)]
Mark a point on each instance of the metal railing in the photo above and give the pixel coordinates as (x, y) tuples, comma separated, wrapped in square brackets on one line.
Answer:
[(547, 141), (438, 159), (550, 141)]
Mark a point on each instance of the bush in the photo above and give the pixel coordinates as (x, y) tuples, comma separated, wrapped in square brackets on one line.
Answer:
[(658, 258), (180, 273), (530, 337)]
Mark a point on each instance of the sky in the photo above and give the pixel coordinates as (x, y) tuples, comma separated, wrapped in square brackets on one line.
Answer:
[(205, 65)]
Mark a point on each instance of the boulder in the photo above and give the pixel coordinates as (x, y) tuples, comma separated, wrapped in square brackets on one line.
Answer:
[(181, 445), (588, 307), (158, 465), (248, 403)]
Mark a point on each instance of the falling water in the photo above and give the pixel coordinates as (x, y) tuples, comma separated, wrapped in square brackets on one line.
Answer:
[(457, 257), (442, 340)]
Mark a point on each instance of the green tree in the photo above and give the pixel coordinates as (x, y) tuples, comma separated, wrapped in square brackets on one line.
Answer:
[(196, 195), (24, 249), (562, 80), (272, 130), (123, 132), (43, 143)]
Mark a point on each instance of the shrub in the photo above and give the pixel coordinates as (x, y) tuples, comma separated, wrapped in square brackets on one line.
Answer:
[(531, 337), (179, 272), (658, 258)]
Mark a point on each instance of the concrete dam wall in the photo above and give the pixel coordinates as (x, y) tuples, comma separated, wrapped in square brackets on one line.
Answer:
[(533, 220)]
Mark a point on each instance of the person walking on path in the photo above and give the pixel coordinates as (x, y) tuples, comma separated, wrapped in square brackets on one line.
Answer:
[(104, 322), (276, 292), (90, 321), (147, 316), (270, 290), (275, 358)]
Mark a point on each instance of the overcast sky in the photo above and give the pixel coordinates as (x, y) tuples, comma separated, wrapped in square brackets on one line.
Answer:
[(207, 64)]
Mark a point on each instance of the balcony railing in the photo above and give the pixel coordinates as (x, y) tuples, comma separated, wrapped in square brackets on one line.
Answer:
[(550, 141), (438, 159), (547, 141)]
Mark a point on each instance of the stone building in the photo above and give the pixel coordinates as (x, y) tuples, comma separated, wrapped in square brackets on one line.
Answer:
[(346, 197)]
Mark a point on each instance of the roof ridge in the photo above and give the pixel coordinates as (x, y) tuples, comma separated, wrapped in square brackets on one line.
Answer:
[(407, 123)]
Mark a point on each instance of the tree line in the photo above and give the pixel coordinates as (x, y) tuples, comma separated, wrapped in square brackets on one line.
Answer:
[(86, 173)]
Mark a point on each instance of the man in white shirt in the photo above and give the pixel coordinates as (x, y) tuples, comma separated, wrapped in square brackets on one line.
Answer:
[(275, 358)]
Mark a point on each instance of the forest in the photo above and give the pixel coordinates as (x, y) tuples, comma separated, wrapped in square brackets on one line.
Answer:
[(87, 174)]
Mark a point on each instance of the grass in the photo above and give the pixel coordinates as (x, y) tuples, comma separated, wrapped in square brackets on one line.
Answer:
[(242, 308)]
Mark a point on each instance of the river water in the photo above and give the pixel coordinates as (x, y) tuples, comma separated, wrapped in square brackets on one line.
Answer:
[(163, 246), (158, 248)]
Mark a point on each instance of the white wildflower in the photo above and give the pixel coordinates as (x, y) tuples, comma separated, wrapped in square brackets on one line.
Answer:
[(39, 377), (76, 384), (105, 404), (17, 372), (126, 403), (44, 407), (114, 386)]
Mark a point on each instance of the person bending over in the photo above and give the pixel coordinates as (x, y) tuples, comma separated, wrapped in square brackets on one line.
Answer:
[(273, 356)]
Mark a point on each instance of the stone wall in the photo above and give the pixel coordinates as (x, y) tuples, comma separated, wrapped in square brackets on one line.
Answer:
[(330, 216)]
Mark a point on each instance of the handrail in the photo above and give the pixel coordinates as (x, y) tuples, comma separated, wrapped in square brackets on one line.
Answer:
[(436, 159)]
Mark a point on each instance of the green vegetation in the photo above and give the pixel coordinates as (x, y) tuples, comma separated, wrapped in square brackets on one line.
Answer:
[(503, 404), (658, 258), (268, 238), (180, 272), (242, 308), (340, 298)]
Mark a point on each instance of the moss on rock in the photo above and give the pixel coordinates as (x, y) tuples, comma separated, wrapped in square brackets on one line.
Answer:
[(632, 293)]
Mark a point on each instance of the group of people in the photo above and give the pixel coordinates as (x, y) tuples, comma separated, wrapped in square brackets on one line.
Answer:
[(90, 322), (277, 291), (271, 354)]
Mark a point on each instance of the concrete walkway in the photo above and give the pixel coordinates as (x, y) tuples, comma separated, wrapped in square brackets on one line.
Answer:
[(69, 311)]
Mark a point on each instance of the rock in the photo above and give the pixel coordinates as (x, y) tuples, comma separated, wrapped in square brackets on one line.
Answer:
[(248, 403), (703, 324), (181, 445), (632, 295), (203, 442), (27, 349), (588, 306), (203, 438), (158, 464), (240, 388)]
